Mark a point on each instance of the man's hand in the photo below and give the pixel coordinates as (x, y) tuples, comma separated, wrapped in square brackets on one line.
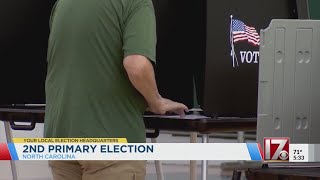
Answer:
[(163, 106)]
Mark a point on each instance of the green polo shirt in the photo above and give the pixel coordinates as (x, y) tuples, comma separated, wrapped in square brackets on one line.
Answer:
[(88, 92)]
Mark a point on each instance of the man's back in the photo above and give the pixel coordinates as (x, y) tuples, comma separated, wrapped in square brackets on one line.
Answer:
[(88, 92)]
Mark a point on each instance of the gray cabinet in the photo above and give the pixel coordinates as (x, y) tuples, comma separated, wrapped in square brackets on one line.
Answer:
[(289, 81)]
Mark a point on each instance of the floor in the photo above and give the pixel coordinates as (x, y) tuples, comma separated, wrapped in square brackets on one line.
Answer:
[(173, 170)]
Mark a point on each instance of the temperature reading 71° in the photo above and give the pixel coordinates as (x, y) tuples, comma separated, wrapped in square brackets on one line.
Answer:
[(297, 151)]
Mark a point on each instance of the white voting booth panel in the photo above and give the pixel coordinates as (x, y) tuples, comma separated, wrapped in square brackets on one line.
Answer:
[(289, 81)]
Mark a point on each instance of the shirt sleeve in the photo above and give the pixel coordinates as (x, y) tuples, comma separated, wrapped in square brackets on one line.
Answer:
[(52, 14), (139, 37)]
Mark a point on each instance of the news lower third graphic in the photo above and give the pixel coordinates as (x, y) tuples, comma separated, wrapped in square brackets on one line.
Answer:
[(118, 149), (240, 32)]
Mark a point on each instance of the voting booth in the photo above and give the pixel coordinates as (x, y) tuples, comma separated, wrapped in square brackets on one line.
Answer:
[(216, 45), (24, 36)]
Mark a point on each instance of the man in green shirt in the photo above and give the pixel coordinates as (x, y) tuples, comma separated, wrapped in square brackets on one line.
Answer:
[(100, 80)]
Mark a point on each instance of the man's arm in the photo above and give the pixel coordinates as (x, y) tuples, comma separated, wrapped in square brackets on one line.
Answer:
[(139, 46), (141, 75)]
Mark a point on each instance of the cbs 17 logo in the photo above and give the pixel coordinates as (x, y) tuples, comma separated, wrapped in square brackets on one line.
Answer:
[(276, 149)]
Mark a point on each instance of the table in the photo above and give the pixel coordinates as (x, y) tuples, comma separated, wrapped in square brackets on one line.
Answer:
[(201, 124), (190, 123)]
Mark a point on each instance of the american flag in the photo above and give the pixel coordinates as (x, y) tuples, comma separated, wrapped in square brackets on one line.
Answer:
[(242, 32)]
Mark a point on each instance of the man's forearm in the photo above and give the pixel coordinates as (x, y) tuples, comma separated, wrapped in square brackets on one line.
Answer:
[(141, 75)]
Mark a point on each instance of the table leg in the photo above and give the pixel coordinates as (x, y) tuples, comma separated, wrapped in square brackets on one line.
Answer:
[(204, 165), (158, 164), (241, 139), (236, 164), (7, 129), (193, 164)]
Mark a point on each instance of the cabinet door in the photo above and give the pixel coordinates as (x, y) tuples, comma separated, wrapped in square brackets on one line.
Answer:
[(302, 87), (265, 92), (278, 80), (315, 88)]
